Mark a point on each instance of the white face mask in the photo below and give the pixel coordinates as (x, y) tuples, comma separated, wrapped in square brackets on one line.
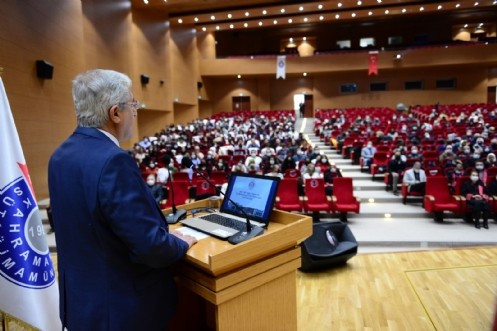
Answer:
[(479, 167), (474, 178), (150, 182)]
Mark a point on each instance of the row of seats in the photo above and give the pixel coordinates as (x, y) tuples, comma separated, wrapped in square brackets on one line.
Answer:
[(315, 199)]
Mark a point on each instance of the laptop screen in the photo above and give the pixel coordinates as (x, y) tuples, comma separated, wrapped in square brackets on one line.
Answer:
[(255, 194)]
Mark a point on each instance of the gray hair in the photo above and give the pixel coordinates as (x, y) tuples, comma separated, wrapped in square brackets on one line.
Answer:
[(95, 91)]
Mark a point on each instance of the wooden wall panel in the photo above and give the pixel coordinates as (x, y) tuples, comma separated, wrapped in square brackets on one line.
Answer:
[(32, 30)]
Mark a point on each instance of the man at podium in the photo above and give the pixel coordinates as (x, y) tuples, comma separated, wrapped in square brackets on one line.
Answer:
[(113, 244)]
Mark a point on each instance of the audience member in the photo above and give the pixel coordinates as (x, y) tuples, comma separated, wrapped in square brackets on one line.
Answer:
[(476, 199), (415, 178), (367, 153), (396, 167)]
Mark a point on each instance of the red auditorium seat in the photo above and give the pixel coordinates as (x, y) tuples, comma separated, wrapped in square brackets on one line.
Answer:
[(343, 199), (287, 198)]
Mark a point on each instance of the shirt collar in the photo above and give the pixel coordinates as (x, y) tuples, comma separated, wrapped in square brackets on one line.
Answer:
[(110, 136)]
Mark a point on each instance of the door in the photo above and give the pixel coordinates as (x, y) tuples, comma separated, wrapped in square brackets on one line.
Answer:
[(241, 103)]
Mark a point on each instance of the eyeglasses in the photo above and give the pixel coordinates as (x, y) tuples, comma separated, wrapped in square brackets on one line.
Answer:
[(134, 104)]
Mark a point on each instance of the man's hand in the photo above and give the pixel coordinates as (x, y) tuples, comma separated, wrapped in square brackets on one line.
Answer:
[(190, 240)]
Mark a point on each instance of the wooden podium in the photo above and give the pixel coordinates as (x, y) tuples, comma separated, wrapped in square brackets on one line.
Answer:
[(249, 286)]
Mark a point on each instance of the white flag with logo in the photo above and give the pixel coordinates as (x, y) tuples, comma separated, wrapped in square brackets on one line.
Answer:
[(28, 289), (281, 67)]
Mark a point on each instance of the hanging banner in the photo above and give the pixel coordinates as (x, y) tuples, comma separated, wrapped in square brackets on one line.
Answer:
[(373, 63), (29, 298), (281, 67)]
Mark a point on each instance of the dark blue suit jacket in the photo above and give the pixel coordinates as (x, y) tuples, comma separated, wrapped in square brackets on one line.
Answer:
[(113, 246)]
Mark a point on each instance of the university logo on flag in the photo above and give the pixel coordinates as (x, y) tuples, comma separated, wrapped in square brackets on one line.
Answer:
[(281, 67), (27, 276)]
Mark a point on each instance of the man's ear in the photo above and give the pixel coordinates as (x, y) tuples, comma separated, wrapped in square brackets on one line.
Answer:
[(114, 114)]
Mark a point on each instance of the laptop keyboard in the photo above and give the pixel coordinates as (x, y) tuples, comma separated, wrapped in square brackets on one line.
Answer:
[(225, 221)]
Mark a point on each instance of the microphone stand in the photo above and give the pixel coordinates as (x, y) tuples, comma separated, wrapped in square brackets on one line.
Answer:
[(176, 215), (252, 230)]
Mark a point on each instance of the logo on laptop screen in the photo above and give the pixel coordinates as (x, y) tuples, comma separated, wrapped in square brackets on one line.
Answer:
[(251, 185)]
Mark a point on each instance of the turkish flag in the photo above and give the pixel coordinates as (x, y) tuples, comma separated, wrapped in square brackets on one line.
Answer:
[(373, 63)]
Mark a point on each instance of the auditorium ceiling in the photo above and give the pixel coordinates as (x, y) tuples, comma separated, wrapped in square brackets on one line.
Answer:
[(223, 15)]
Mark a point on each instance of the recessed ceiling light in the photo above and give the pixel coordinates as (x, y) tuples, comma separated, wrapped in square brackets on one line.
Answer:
[(304, 74), (239, 76), (264, 12), (370, 13), (204, 29), (180, 21), (275, 22), (465, 25), (421, 8), (196, 19), (476, 4), (213, 17), (439, 7), (337, 16), (339, 4), (301, 8), (379, 1), (245, 24), (404, 10), (304, 39), (290, 20), (359, 3), (320, 6), (321, 18), (353, 15), (282, 10), (145, 2), (217, 27), (458, 5), (247, 14), (305, 19), (229, 15), (231, 26), (260, 23), (387, 11)]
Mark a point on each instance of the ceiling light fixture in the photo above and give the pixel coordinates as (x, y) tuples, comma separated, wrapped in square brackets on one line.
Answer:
[(321, 18), (229, 15), (264, 12), (353, 15), (387, 12), (359, 3), (282, 10), (340, 4), (439, 7), (370, 13), (196, 19), (290, 20), (404, 10), (301, 8), (245, 24), (180, 21), (247, 14), (305, 74), (337, 16), (145, 2), (320, 7), (217, 27), (458, 5), (204, 29), (239, 76), (421, 8), (275, 22), (260, 23), (476, 4), (231, 26), (213, 17)]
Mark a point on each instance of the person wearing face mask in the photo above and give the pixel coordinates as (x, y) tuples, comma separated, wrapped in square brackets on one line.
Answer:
[(330, 173), (323, 164), (414, 154), (396, 167), (415, 178), (491, 160), (455, 173), (155, 188), (367, 154), (481, 171), (476, 199)]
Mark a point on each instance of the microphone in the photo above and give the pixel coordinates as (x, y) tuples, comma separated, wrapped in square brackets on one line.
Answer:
[(252, 230), (175, 215)]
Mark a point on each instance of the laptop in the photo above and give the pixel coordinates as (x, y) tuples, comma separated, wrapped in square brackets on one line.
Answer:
[(247, 196)]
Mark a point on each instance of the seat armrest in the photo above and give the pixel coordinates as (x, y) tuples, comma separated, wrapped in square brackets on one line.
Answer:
[(429, 197)]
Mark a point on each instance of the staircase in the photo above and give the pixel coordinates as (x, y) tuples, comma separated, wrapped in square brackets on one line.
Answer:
[(384, 223)]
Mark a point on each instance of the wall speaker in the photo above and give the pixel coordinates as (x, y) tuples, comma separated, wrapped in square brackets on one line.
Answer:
[(144, 79), (44, 69), (200, 85)]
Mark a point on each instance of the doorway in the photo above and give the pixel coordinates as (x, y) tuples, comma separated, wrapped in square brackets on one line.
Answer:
[(491, 95), (241, 103), (307, 101)]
